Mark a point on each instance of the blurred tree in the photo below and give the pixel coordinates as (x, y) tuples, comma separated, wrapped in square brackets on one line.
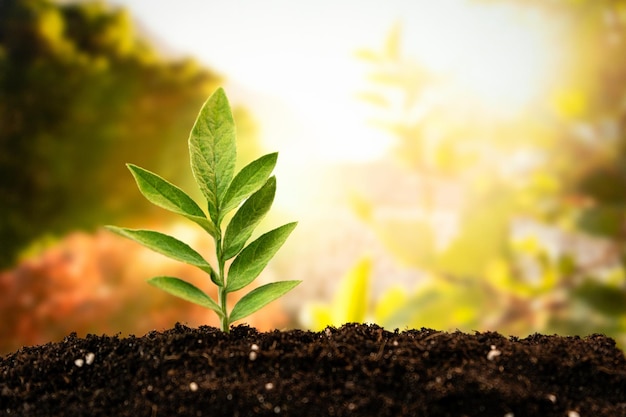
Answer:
[(449, 147), (572, 184), (80, 95), (590, 160)]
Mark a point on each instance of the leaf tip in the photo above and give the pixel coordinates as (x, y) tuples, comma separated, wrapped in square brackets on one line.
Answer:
[(219, 93)]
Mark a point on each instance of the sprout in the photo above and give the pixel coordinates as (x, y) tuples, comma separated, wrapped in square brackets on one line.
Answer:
[(212, 148)]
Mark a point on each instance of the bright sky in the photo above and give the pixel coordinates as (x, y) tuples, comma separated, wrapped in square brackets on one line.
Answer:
[(293, 63)]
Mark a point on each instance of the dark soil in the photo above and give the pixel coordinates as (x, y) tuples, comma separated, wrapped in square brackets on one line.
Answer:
[(357, 370)]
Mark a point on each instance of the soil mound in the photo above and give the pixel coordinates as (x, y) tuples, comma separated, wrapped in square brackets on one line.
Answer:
[(355, 370)]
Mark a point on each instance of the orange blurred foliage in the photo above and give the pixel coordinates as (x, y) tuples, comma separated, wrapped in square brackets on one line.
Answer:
[(95, 283)]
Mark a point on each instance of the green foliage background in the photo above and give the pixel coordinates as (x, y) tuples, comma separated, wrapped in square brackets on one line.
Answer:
[(82, 94), (576, 190)]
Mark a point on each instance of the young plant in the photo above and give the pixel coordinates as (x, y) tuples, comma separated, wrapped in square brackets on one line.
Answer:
[(212, 148)]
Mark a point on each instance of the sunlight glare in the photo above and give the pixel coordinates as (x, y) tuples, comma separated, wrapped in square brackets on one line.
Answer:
[(510, 72), (498, 57), (493, 60), (488, 53)]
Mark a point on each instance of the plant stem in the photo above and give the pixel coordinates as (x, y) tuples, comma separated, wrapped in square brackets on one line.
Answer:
[(221, 291)]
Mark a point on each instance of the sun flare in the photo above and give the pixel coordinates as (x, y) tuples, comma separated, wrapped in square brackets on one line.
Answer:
[(494, 57), (493, 61), (501, 59)]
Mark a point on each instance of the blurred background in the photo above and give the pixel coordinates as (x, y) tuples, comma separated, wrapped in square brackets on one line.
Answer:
[(458, 164)]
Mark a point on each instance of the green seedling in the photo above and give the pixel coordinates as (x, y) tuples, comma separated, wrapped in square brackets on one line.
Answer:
[(213, 153)]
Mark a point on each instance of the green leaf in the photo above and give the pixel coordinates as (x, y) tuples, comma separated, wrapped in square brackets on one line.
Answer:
[(606, 299), (186, 291), (165, 245), (247, 181), (247, 218), (251, 261), (605, 220), (213, 152), (260, 297), (168, 196)]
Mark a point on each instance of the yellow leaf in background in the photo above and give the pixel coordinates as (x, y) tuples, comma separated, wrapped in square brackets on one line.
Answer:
[(615, 276), (570, 103), (498, 273), (368, 55), (51, 26), (375, 99), (545, 182), (462, 313), (316, 317), (350, 303), (549, 279), (361, 207), (352, 296), (392, 44), (389, 303), (527, 245)]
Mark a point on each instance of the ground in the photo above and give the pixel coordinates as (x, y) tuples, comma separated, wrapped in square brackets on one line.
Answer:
[(355, 370)]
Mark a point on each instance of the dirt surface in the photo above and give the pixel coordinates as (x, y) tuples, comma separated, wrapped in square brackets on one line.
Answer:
[(359, 370)]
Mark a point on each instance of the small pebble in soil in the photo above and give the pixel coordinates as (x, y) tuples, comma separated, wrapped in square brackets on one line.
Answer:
[(89, 358), (493, 353)]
